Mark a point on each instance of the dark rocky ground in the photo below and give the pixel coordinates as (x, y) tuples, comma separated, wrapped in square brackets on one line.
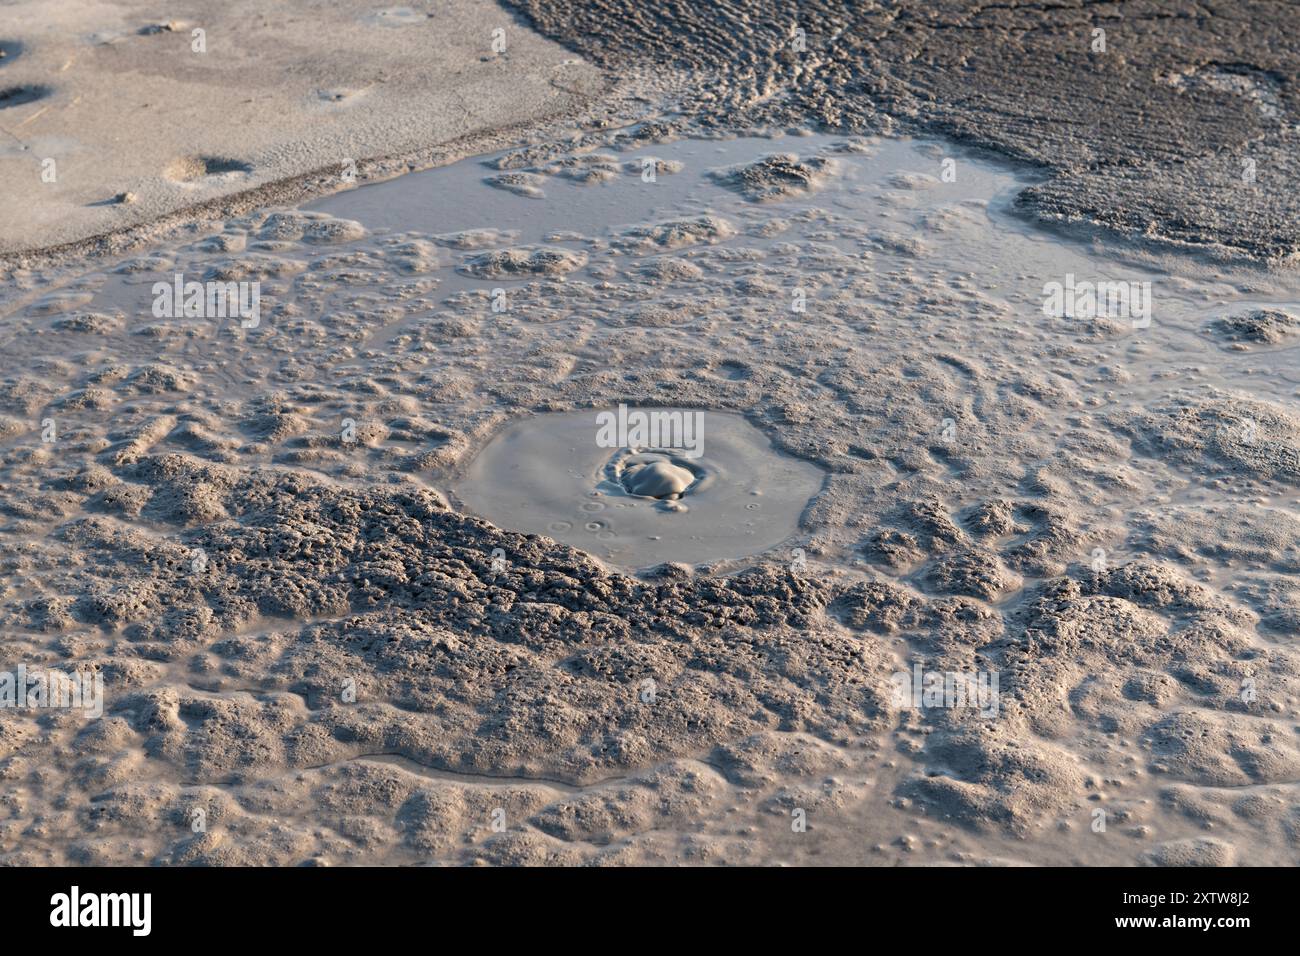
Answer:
[(1150, 138)]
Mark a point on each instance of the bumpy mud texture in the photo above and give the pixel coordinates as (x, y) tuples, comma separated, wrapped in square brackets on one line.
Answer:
[(305, 647), (1182, 129)]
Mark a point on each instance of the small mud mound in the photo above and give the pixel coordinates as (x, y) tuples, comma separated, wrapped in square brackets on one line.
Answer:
[(524, 263), (521, 184), (20, 95), (676, 233), (585, 170), (779, 176), (1258, 327), (316, 228), (190, 169), (670, 269), (119, 199)]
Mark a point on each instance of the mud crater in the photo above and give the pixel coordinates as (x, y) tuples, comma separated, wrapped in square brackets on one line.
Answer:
[(733, 497)]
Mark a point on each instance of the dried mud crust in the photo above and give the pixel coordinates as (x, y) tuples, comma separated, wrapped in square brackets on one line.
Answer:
[(540, 671), (1181, 131)]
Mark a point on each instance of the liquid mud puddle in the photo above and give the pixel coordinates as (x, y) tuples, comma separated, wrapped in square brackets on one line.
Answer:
[(728, 495)]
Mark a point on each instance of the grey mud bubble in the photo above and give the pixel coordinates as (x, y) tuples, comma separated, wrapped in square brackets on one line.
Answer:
[(656, 475), (639, 507)]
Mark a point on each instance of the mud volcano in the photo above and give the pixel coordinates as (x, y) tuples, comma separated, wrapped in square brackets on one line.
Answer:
[(637, 506)]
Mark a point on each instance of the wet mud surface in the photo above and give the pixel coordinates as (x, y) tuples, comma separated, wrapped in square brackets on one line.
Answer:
[(250, 530)]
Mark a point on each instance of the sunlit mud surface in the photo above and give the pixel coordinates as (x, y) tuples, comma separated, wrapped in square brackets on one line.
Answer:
[(256, 533)]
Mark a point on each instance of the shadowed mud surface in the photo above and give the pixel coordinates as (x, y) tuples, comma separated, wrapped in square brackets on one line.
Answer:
[(1183, 130)]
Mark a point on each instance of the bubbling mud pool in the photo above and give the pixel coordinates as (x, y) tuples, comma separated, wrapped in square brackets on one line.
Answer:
[(639, 507)]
